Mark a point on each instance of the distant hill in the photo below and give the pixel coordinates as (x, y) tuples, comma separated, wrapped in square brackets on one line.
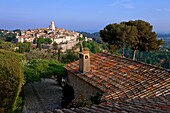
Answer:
[(96, 36), (91, 35), (164, 37)]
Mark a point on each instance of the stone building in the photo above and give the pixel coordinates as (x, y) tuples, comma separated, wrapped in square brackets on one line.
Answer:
[(67, 39), (77, 83), (125, 85), (52, 26), (58, 35)]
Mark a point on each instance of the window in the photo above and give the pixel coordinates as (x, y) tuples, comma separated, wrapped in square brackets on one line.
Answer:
[(86, 57)]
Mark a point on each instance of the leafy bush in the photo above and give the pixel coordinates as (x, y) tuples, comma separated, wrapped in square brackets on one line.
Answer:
[(69, 57), (43, 54), (6, 45), (41, 68), (11, 80), (93, 46)]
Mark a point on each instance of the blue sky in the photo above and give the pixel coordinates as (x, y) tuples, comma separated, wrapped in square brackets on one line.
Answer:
[(82, 15)]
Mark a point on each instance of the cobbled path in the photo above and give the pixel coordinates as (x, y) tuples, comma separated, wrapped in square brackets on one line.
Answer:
[(42, 96)]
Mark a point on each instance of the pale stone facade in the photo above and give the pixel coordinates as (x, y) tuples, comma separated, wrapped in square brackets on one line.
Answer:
[(81, 87), (52, 26)]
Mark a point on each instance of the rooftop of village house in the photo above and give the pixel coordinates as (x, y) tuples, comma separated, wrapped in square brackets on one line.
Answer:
[(160, 104), (127, 85)]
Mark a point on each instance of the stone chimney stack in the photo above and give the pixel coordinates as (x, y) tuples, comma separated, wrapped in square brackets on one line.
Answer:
[(84, 62)]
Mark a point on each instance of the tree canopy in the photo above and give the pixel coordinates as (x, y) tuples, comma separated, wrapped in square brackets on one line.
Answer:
[(93, 46), (23, 47), (41, 68), (137, 35), (43, 40)]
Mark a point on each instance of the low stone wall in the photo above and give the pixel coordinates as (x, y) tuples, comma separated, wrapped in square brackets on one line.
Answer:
[(81, 87)]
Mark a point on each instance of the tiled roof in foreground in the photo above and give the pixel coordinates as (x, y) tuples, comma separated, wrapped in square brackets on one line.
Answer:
[(160, 104), (123, 79)]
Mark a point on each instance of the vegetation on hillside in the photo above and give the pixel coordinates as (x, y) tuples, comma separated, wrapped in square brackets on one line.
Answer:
[(23, 47), (41, 41), (93, 46), (159, 58), (6, 45)]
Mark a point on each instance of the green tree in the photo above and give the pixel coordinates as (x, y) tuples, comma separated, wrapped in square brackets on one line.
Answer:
[(69, 56), (23, 47), (9, 38), (59, 53), (55, 47), (41, 68), (115, 34), (39, 46), (58, 50), (48, 40), (93, 46), (11, 80), (141, 37), (39, 42), (137, 35)]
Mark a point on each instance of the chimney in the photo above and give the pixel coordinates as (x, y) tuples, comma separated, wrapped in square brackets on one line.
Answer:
[(84, 62)]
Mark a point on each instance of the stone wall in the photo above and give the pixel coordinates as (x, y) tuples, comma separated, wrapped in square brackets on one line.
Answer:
[(69, 45), (81, 87)]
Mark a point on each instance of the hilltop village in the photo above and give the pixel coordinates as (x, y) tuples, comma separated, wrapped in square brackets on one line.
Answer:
[(65, 38), (57, 35)]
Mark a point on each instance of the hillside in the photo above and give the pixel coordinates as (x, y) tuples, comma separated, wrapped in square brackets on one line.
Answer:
[(96, 36)]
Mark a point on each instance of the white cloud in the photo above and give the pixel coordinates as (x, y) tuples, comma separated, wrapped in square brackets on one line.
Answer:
[(123, 3)]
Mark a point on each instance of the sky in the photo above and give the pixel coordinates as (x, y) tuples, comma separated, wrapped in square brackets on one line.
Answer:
[(82, 15)]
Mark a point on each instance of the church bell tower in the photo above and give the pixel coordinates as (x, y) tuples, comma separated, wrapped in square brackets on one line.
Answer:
[(52, 26)]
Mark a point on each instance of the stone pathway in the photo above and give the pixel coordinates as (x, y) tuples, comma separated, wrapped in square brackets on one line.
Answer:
[(42, 96)]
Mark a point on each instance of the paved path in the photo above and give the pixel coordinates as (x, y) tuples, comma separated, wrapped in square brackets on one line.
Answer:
[(42, 96)]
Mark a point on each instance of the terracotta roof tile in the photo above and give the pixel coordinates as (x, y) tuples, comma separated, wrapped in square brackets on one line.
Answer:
[(128, 86), (160, 104), (121, 78)]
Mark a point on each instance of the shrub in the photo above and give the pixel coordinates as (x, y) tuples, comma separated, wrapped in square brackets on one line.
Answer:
[(11, 80), (41, 68)]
